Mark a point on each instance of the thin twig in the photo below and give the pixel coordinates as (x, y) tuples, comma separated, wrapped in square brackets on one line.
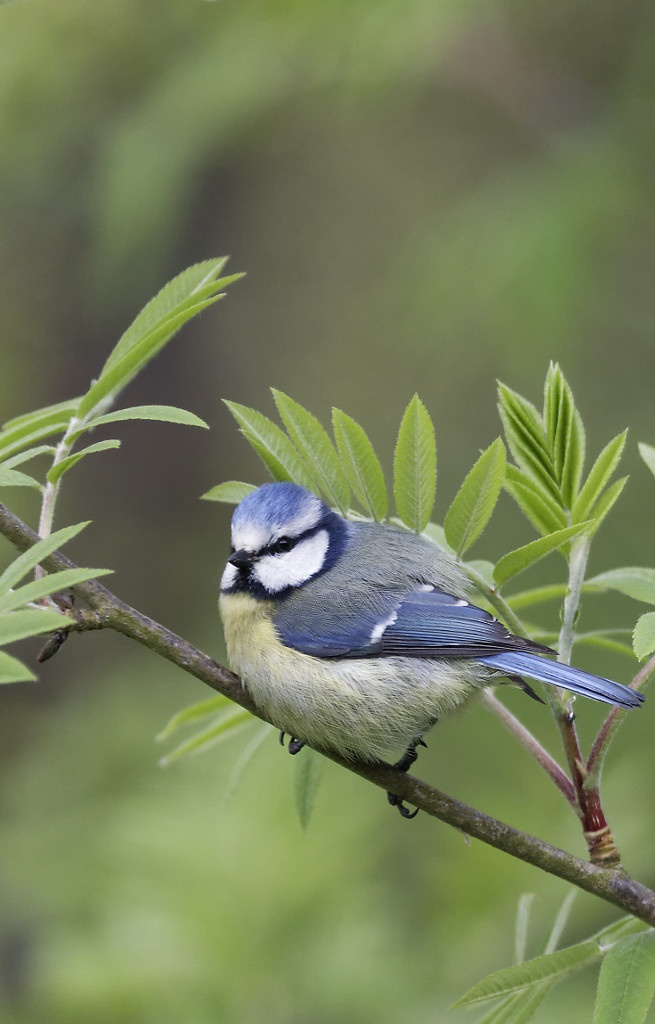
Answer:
[(532, 745)]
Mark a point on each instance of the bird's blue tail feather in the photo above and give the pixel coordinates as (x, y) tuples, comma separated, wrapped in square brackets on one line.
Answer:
[(569, 678)]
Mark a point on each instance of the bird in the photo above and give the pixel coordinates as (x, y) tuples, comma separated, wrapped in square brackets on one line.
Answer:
[(357, 637)]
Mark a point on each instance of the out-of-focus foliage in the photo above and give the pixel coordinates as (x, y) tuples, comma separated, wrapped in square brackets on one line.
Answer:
[(427, 197)]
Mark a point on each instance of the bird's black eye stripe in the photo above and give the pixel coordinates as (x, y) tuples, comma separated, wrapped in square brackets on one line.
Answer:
[(281, 545)]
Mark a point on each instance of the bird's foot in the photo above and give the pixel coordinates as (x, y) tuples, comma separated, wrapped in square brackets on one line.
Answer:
[(295, 745), (403, 765), (397, 801)]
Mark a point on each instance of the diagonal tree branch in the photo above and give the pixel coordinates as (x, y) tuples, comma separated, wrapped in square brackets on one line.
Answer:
[(108, 611)]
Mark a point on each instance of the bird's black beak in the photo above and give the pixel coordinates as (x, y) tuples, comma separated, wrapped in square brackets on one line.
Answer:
[(242, 559)]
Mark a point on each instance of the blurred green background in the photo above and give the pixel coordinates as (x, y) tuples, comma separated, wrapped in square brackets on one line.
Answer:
[(426, 196)]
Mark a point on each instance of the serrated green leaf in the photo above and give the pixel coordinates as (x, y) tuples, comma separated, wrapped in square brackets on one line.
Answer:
[(516, 561), (179, 290), (61, 410), (550, 967), (316, 448), (476, 499), (633, 581), (231, 492), (214, 734), (272, 445), (361, 464), (29, 622), (62, 467), (565, 434), (606, 502), (12, 478), (520, 1007), (117, 375), (160, 413), (647, 453), (643, 639), (415, 467), (193, 713), (526, 438), (52, 583), (17, 440), (31, 558), (25, 456), (13, 671), (599, 476), (306, 777), (627, 981), (545, 514)]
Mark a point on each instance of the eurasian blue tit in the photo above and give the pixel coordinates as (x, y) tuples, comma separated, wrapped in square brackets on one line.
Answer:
[(358, 637)]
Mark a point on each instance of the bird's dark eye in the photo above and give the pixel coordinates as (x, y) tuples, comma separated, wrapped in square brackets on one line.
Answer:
[(281, 545)]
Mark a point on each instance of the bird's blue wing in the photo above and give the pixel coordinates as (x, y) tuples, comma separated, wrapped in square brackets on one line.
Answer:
[(432, 624), (424, 623)]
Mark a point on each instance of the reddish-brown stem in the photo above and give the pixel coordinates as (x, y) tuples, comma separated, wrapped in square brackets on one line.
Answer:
[(597, 833)]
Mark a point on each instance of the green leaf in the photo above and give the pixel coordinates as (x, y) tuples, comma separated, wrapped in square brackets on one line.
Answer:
[(647, 453), (599, 476), (476, 499), (316, 448), (521, 558), (272, 445), (13, 671), (522, 925), (29, 622), (520, 1007), (60, 411), (526, 438), (162, 413), (25, 456), (545, 514), (214, 734), (62, 467), (192, 713), (12, 478), (245, 757), (560, 922), (643, 639), (627, 981), (361, 464), (180, 300), (17, 440), (606, 502), (51, 583), (117, 375), (231, 492), (34, 555), (19, 433), (415, 467), (549, 967), (537, 595), (633, 581), (306, 777), (178, 291), (565, 434)]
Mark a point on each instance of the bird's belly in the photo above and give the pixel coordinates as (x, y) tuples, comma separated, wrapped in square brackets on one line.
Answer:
[(366, 708)]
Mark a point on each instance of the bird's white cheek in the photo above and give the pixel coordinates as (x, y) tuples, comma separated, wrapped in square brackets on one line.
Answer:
[(277, 572), (229, 576)]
